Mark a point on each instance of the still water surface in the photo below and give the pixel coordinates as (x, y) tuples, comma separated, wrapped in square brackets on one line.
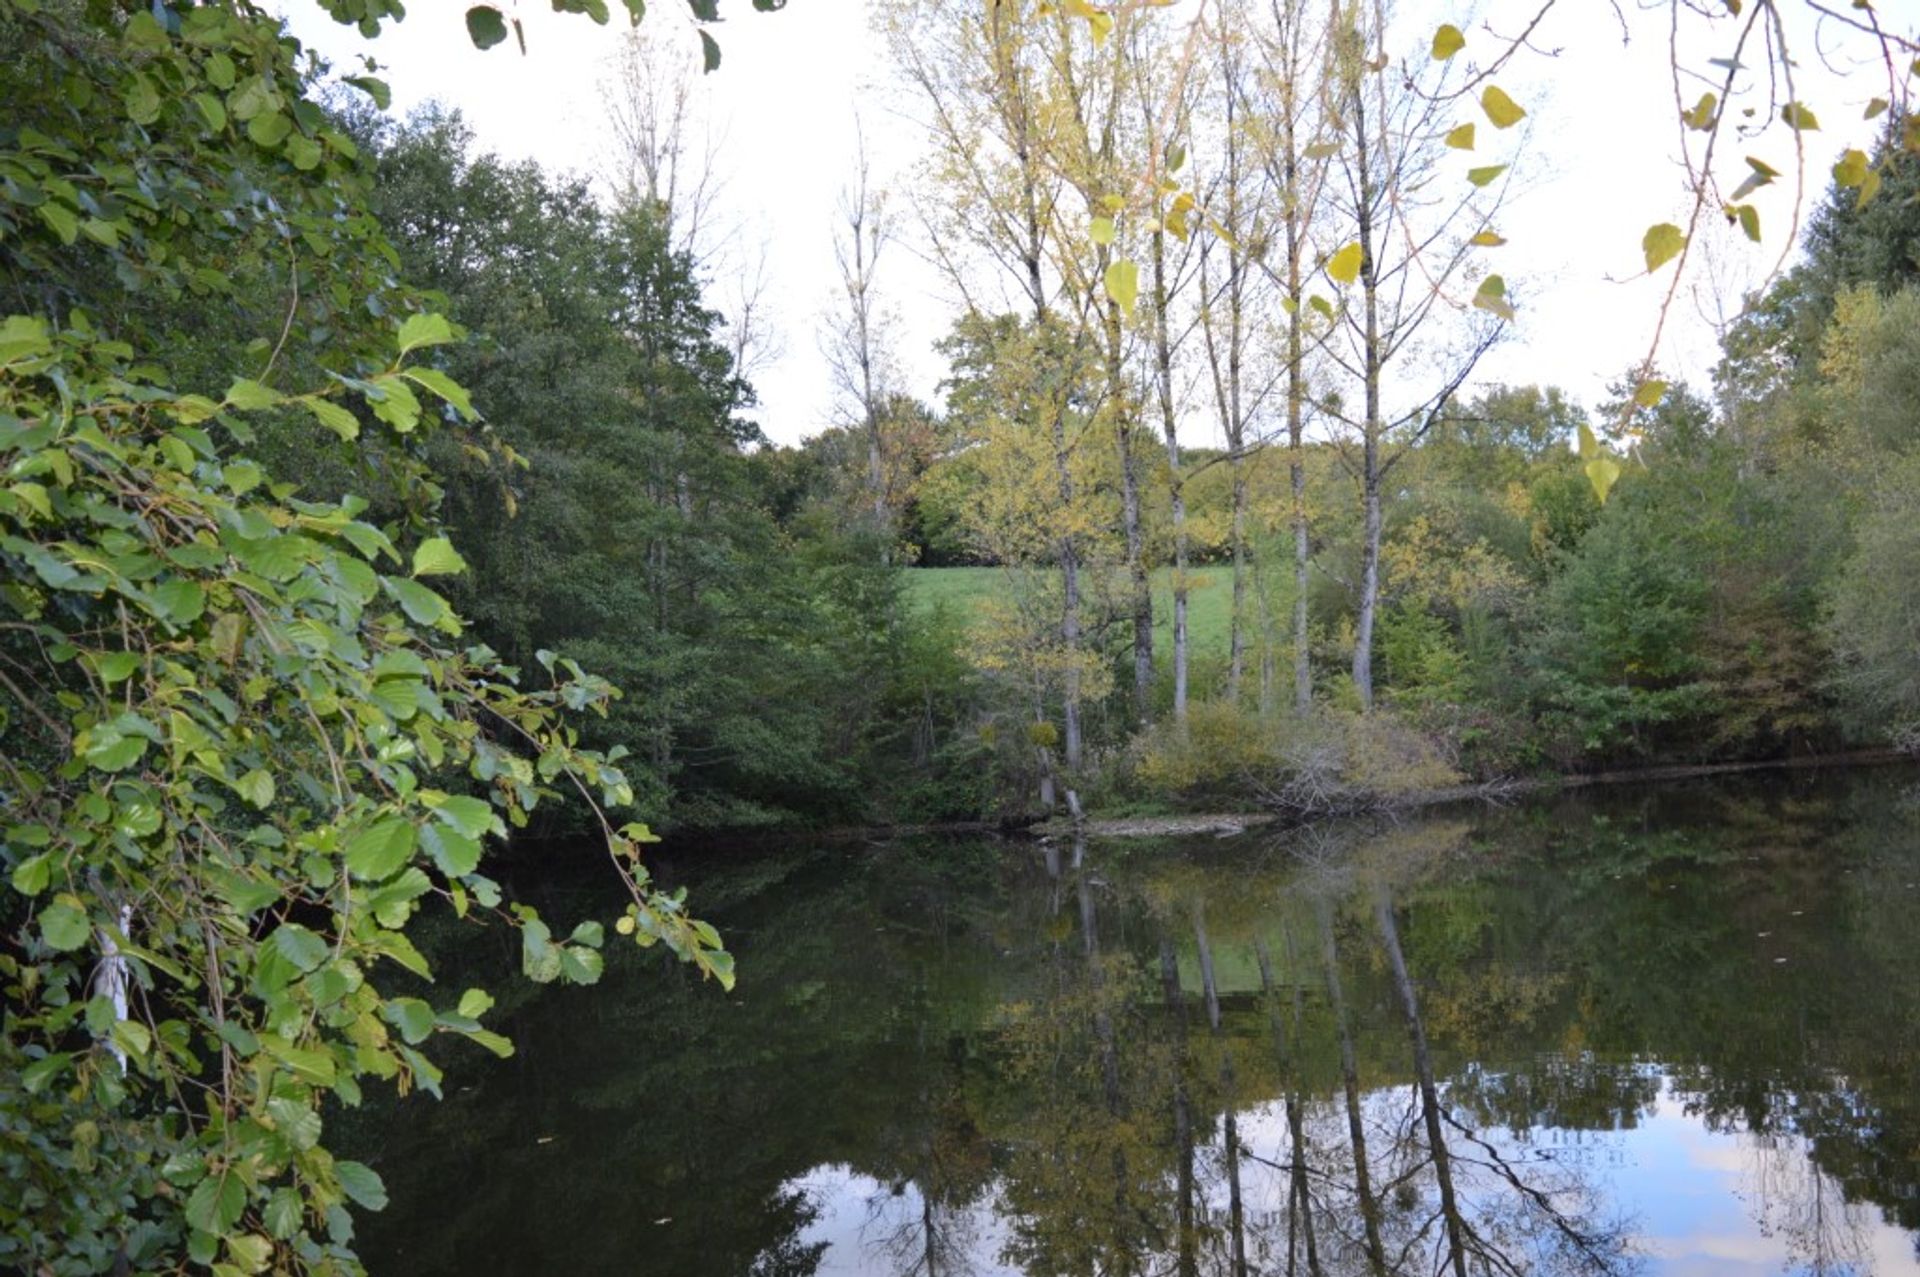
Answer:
[(1668, 1031)]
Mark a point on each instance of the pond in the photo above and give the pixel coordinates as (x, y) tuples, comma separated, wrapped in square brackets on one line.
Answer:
[(1669, 1030)]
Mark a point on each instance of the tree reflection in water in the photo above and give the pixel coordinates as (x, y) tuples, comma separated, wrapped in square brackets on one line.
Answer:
[(1530, 1042)]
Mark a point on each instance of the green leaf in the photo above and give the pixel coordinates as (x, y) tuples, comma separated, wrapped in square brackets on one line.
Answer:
[(1491, 296), (303, 152), (1650, 394), (216, 1202), (111, 751), (62, 220), (1661, 244), (473, 817), (35, 1076), (116, 667), (1447, 41), (143, 100), (475, 1003), (374, 88), (362, 1185), (539, 957), (412, 1017), (303, 948), (1344, 266), (436, 557), (1749, 219), (250, 1252), (284, 1213), (63, 924), (1484, 176), (333, 416), (1704, 113), (250, 396), (1589, 443), (1461, 139), (446, 387), (298, 1123), (257, 787), (133, 1037), (23, 337), (424, 329), (31, 876), (1100, 230), (492, 1041), (380, 849), (1501, 109), (581, 966), (269, 129), (180, 601), (1123, 284), (312, 1066), (1602, 473), (420, 603), (709, 53), (486, 26), (212, 110)]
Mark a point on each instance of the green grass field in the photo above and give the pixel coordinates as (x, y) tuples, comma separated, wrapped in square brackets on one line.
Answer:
[(1209, 600)]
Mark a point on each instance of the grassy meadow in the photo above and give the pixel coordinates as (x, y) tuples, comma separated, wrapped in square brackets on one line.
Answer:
[(1209, 601)]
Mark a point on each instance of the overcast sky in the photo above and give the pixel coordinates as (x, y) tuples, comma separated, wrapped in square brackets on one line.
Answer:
[(1596, 166)]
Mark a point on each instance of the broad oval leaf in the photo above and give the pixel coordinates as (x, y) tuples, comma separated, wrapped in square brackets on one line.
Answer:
[(1661, 244), (1344, 266), (486, 26), (1123, 284), (1501, 109), (380, 849)]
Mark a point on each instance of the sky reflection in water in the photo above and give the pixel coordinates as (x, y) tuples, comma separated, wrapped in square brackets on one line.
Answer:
[(1672, 1031)]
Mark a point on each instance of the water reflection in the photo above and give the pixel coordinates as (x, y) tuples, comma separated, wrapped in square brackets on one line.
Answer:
[(1671, 1033)]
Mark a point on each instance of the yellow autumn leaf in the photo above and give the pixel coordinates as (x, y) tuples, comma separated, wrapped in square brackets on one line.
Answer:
[(1603, 472), (1461, 139), (1123, 284), (1798, 118), (1447, 41), (1661, 244), (1344, 266), (1501, 109)]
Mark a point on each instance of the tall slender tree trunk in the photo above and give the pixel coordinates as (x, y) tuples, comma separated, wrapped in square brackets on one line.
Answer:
[(1032, 252), (1229, 1122), (1186, 1243), (1299, 1196), (1372, 360), (1141, 597), (1169, 424), (1429, 1093), (1237, 642), (1350, 1084), (1296, 217)]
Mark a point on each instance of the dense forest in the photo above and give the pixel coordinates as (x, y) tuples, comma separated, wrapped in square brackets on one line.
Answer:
[(372, 501), (778, 619)]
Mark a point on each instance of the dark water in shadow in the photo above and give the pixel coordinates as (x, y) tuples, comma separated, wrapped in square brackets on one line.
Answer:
[(1670, 1031)]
